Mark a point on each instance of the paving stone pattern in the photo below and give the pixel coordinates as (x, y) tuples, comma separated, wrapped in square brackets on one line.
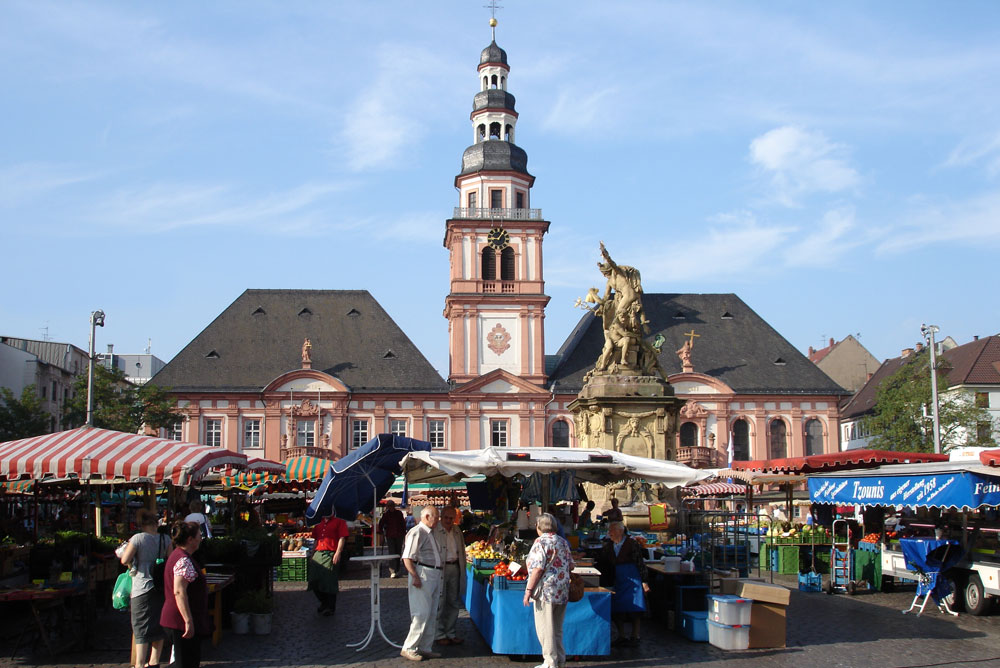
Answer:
[(837, 630)]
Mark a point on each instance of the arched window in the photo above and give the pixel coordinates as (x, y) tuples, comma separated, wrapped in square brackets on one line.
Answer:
[(560, 434), (508, 134), (689, 435), (489, 264), (494, 131), (482, 132), (503, 83), (741, 440), (486, 83), (777, 440), (814, 437), (507, 264), (493, 81)]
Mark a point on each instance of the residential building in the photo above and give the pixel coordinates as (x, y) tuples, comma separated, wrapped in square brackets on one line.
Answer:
[(50, 366), (847, 362)]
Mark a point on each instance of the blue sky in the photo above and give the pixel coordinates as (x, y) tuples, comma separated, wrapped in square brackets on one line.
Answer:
[(837, 165)]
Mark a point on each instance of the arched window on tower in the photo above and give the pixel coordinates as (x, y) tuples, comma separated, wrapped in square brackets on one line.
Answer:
[(508, 134), (486, 83), (503, 83), (494, 131), (507, 264), (482, 133), (560, 434), (777, 439), (814, 437), (489, 264), (493, 81), (689, 435), (741, 440)]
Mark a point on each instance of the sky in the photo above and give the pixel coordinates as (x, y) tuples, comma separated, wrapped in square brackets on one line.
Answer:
[(836, 165)]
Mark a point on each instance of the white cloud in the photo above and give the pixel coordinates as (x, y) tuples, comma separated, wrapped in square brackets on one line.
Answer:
[(27, 181), (799, 163), (165, 207), (971, 222), (828, 240), (984, 149), (575, 112)]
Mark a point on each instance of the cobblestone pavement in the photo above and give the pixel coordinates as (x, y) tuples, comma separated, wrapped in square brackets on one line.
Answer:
[(863, 630)]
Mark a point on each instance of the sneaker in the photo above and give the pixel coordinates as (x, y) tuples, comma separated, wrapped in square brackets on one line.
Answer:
[(411, 655), (429, 655)]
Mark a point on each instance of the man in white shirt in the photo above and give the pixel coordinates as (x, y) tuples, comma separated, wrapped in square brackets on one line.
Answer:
[(451, 543), (424, 563)]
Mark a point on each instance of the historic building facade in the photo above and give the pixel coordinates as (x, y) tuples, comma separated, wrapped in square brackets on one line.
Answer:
[(318, 372)]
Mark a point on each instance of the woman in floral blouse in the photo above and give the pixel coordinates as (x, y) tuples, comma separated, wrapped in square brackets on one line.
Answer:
[(549, 565)]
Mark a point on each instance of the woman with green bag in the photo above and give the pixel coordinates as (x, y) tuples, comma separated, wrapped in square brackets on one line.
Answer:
[(145, 555)]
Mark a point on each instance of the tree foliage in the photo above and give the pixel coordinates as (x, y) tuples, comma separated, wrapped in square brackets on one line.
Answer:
[(24, 417), (119, 404), (903, 409)]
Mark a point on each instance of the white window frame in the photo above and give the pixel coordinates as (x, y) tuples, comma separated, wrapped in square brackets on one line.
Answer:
[(258, 432), (209, 432), (175, 432), (499, 432), (359, 432), (436, 436), (394, 424), (305, 433)]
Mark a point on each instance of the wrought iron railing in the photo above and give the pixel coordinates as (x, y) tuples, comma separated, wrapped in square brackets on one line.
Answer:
[(499, 214)]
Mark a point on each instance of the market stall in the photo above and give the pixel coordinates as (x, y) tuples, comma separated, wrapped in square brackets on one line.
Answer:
[(955, 499), (493, 599)]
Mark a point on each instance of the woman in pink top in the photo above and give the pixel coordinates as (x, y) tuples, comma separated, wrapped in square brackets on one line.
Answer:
[(185, 607)]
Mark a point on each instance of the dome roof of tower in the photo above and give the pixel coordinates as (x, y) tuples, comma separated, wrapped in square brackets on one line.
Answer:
[(493, 54), (494, 155), (493, 98)]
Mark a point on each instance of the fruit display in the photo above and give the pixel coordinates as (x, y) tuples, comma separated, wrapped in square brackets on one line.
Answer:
[(870, 538), (502, 570), (295, 541), (481, 550)]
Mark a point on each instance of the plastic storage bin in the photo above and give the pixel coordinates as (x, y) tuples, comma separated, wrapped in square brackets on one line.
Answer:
[(810, 582), (728, 637), (694, 625), (729, 610)]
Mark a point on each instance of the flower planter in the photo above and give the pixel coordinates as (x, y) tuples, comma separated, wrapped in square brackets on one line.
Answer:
[(261, 624), (240, 622)]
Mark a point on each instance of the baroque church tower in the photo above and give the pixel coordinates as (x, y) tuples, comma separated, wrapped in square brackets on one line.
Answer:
[(496, 303)]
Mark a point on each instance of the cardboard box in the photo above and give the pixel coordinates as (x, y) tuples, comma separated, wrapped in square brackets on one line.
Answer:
[(731, 586), (764, 592), (767, 625)]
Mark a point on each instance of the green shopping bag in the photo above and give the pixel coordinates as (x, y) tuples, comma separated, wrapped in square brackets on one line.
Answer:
[(122, 591)]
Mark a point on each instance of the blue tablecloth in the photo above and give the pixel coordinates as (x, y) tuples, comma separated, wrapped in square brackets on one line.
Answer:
[(508, 626)]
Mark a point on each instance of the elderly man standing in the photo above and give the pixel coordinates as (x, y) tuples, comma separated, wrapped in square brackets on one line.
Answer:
[(451, 543), (424, 563)]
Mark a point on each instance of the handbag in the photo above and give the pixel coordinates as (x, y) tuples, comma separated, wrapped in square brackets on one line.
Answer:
[(158, 568), (121, 594), (575, 587)]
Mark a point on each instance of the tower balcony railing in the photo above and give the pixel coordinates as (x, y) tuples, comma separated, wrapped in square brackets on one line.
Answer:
[(500, 214), (698, 457), (496, 287)]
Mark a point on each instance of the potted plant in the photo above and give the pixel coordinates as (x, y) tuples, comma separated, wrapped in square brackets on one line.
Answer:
[(260, 612), (240, 616)]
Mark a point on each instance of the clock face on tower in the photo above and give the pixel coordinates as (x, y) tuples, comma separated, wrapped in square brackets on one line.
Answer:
[(498, 238)]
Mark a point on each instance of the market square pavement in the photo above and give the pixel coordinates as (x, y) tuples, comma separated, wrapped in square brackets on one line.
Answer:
[(837, 630)]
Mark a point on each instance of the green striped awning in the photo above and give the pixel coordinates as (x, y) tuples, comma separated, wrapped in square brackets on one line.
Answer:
[(17, 486), (397, 487), (301, 469), (248, 479)]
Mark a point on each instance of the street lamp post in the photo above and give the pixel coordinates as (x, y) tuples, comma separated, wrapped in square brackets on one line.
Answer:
[(929, 331), (96, 320)]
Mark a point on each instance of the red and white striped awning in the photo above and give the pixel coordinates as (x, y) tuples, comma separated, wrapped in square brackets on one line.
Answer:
[(88, 452), (718, 489)]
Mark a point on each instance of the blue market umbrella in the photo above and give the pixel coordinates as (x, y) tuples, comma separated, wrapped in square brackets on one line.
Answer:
[(356, 482)]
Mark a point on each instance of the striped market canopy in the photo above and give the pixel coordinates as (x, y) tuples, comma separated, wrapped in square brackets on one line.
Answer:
[(248, 479), (718, 489), (17, 486), (89, 452), (301, 469)]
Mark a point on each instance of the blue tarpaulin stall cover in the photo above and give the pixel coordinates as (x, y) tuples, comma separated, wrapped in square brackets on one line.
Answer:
[(943, 485)]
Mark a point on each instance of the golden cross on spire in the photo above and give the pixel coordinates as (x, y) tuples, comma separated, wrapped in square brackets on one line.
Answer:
[(691, 336)]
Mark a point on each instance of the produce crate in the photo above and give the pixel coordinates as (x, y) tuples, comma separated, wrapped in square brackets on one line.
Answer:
[(868, 567), (292, 568), (784, 559), (485, 563), (811, 582), (694, 625)]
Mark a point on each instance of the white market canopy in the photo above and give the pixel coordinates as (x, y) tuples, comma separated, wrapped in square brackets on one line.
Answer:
[(587, 464)]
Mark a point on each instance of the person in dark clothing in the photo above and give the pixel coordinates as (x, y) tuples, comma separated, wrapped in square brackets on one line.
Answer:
[(393, 527), (622, 567)]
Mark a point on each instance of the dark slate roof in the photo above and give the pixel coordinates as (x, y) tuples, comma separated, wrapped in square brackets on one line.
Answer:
[(494, 155), (493, 54), (494, 98), (735, 345), (259, 337)]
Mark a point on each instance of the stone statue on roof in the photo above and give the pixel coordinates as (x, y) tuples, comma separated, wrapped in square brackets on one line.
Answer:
[(307, 347)]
